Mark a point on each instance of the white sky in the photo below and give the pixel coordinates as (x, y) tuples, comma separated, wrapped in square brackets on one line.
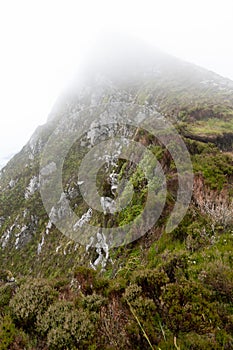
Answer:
[(42, 43)]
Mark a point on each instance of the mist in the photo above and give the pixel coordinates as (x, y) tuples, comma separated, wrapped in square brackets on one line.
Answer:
[(44, 45)]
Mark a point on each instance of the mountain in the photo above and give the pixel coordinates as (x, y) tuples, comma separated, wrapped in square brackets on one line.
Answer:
[(116, 217)]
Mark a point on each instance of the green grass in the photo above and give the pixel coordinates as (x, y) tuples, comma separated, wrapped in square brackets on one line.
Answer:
[(211, 126)]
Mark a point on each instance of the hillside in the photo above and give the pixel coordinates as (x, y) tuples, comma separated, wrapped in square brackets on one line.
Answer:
[(82, 266)]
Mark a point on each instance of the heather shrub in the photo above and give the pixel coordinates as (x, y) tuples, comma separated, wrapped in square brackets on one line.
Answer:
[(54, 316), (220, 279), (31, 300), (224, 339), (132, 292), (59, 338), (197, 237), (75, 332), (188, 341), (11, 338), (145, 308), (66, 327), (93, 302), (86, 278), (6, 292), (7, 332), (112, 325), (151, 281), (175, 265), (145, 314), (194, 341), (188, 306)]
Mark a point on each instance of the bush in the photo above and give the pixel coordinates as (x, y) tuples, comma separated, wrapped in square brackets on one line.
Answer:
[(195, 341), (220, 278), (189, 341), (144, 310), (132, 292), (188, 306), (151, 282), (54, 316), (6, 292), (66, 327), (76, 332), (7, 333), (31, 300), (59, 338), (85, 278), (197, 238), (93, 302), (10, 337), (176, 266)]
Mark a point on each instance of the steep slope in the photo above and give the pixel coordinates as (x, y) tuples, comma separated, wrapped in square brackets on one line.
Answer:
[(164, 287)]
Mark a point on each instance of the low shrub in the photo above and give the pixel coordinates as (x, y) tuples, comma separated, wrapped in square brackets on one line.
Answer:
[(31, 301), (8, 333), (66, 327)]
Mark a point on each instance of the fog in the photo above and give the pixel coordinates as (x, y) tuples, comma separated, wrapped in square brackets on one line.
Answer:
[(44, 44)]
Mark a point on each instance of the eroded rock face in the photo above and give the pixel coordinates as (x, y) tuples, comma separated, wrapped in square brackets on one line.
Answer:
[(20, 232), (49, 169), (12, 183), (224, 142), (84, 219), (108, 205), (32, 187), (5, 237), (101, 247)]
